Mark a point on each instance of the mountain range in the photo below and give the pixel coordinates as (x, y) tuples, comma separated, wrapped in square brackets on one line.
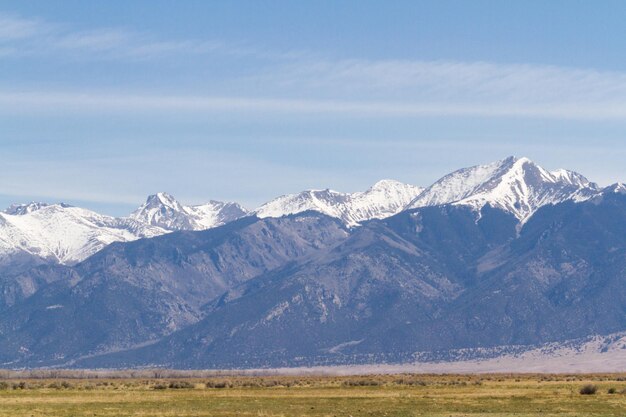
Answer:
[(64, 234), (496, 255)]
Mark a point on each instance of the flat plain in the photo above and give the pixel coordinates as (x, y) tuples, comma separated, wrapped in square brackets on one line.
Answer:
[(373, 395)]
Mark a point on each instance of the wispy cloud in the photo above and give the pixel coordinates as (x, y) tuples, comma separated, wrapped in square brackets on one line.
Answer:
[(118, 43), (450, 80), (33, 102), (36, 37), (299, 82), (14, 27)]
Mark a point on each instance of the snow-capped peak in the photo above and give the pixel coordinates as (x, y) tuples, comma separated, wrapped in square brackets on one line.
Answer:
[(516, 185), (383, 199), (164, 211)]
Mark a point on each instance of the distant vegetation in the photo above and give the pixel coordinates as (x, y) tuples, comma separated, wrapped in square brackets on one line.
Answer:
[(203, 393)]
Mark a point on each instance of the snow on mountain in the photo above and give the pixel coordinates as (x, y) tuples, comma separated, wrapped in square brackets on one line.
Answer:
[(328, 202), (215, 213), (164, 211), (64, 234), (617, 188), (516, 185), (383, 199)]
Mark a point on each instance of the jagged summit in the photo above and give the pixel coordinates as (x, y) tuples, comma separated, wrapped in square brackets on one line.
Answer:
[(516, 185), (163, 210), (163, 199)]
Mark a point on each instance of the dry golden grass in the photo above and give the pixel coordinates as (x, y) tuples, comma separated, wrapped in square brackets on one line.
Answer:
[(376, 395)]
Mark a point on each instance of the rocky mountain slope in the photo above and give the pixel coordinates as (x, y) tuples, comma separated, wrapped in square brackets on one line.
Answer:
[(133, 293), (429, 280)]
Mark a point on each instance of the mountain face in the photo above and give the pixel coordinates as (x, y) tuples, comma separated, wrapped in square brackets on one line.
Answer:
[(516, 185), (423, 282), (164, 211), (371, 294), (383, 199), (486, 259)]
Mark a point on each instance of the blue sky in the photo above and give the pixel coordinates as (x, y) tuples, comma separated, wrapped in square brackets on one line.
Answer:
[(102, 103)]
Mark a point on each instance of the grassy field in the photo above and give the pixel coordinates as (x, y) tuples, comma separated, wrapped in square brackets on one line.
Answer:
[(388, 395)]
